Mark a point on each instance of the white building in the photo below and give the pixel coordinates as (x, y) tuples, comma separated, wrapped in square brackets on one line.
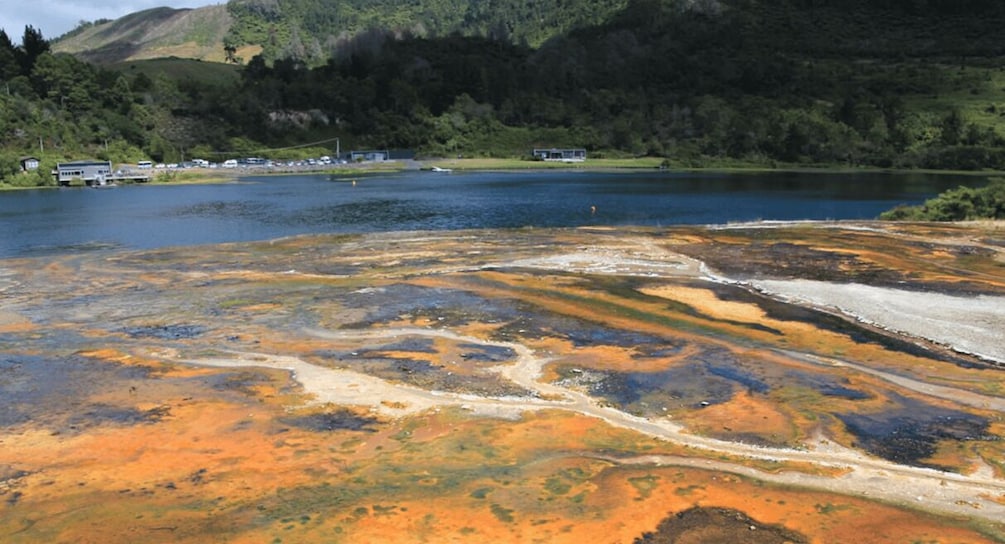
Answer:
[(89, 172), (565, 155)]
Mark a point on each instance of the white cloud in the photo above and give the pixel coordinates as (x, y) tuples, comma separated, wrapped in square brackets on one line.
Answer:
[(56, 17)]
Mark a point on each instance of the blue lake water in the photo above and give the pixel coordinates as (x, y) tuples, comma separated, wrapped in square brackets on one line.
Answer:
[(149, 216)]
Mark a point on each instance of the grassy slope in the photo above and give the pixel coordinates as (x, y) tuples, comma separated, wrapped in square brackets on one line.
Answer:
[(933, 87), (153, 33), (905, 48), (978, 91), (213, 73)]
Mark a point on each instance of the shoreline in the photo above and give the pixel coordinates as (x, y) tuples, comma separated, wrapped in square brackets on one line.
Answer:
[(218, 175)]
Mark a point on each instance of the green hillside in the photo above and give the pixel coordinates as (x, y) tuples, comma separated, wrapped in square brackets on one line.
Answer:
[(314, 30), (214, 74)]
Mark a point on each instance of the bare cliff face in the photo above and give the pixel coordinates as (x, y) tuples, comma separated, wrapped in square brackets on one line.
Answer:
[(552, 385)]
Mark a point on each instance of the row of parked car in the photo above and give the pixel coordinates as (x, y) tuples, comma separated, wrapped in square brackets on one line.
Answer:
[(250, 162)]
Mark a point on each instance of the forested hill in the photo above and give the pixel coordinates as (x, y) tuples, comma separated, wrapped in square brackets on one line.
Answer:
[(312, 31), (906, 84)]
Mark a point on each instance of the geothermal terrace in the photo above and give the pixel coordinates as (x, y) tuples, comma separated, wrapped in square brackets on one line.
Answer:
[(769, 382)]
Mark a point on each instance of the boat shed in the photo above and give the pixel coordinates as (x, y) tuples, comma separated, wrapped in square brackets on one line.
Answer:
[(369, 155), (565, 155), (89, 172)]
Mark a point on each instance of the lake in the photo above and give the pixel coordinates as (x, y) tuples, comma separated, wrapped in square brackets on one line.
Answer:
[(149, 216)]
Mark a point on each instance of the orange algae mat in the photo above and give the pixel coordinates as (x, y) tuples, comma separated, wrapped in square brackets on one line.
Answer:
[(516, 386)]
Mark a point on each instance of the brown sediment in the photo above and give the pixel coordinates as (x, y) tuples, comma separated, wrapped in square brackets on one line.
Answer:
[(744, 418), (15, 325), (562, 386), (12, 321)]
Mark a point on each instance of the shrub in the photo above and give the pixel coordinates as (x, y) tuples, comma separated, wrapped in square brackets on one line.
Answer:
[(962, 203)]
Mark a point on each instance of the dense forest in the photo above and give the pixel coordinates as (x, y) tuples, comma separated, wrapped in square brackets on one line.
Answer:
[(903, 84)]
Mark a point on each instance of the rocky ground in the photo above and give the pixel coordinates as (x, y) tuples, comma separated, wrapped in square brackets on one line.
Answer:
[(820, 382)]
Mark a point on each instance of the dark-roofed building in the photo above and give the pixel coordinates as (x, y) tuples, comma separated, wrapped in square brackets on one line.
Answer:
[(29, 163), (369, 155)]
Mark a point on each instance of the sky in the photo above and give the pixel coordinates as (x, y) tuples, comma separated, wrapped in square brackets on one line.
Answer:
[(56, 17)]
